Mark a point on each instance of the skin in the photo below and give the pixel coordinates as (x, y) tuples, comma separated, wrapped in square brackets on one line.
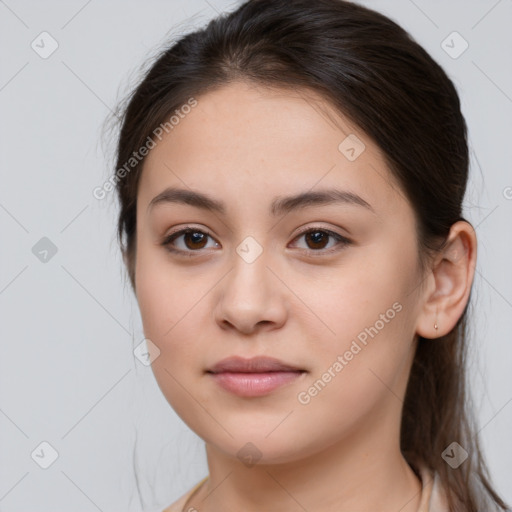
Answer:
[(298, 302)]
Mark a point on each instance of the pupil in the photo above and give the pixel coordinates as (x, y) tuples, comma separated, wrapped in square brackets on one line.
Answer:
[(317, 237), (195, 237)]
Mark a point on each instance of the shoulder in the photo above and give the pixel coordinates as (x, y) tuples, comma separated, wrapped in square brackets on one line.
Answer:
[(178, 505)]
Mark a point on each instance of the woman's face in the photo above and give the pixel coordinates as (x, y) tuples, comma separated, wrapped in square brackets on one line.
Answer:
[(304, 251)]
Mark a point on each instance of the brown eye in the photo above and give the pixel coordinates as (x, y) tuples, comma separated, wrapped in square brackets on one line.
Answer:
[(187, 241), (195, 239), (317, 239), (322, 241)]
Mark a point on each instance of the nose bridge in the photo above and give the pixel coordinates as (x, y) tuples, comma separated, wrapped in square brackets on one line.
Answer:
[(250, 294), (250, 273)]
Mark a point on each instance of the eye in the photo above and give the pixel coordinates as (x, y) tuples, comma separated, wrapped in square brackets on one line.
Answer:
[(187, 240), (192, 240), (319, 239)]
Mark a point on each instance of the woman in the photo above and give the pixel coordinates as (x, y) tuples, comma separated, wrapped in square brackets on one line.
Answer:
[(291, 182)]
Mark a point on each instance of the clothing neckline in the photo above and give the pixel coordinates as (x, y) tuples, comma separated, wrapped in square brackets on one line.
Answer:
[(432, 499)]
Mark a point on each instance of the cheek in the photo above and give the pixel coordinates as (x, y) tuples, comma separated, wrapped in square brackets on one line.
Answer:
[(155, 303), (367, 353), (169, 312), (161, 295), (173, 304), (370, 294), (369, 311), (360, 372)]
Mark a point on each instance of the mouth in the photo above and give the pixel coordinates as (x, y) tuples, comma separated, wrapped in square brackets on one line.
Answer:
[(253, 377)]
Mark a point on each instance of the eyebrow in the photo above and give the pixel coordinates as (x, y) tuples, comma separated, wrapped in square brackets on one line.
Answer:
[(279, 206)]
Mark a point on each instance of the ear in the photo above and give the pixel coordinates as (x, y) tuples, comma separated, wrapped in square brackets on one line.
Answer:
[(450, 277)]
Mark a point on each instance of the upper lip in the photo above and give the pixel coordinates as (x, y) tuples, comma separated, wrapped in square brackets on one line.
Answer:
[(260, 364)]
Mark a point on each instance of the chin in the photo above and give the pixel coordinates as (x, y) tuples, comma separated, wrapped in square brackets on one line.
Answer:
[(254, 446)]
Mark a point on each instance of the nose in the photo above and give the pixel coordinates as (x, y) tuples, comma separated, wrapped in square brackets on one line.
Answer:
[(251, 298)]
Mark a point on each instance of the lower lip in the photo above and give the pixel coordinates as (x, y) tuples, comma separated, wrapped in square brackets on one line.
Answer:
[(254, 384)]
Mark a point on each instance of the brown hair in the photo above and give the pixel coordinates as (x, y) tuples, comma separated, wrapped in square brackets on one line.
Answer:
[(374, 73)]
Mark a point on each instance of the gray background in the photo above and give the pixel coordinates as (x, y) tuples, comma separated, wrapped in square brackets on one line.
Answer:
[(69, 324)]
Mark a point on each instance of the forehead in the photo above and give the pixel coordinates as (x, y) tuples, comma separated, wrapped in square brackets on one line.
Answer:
[(267, 142)]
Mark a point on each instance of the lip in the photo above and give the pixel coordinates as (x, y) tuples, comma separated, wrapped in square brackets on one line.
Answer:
[(253, 377)]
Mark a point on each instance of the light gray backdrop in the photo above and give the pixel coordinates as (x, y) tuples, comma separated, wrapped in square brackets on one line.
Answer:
[(69, 323)]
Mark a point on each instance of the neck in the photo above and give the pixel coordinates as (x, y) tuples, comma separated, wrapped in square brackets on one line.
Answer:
[(343, 477)]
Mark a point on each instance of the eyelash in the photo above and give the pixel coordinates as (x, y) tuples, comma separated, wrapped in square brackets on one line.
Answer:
[(343, 241)]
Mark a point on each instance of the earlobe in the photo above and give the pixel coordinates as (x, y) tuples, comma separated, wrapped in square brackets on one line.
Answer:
[(452, 272)]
